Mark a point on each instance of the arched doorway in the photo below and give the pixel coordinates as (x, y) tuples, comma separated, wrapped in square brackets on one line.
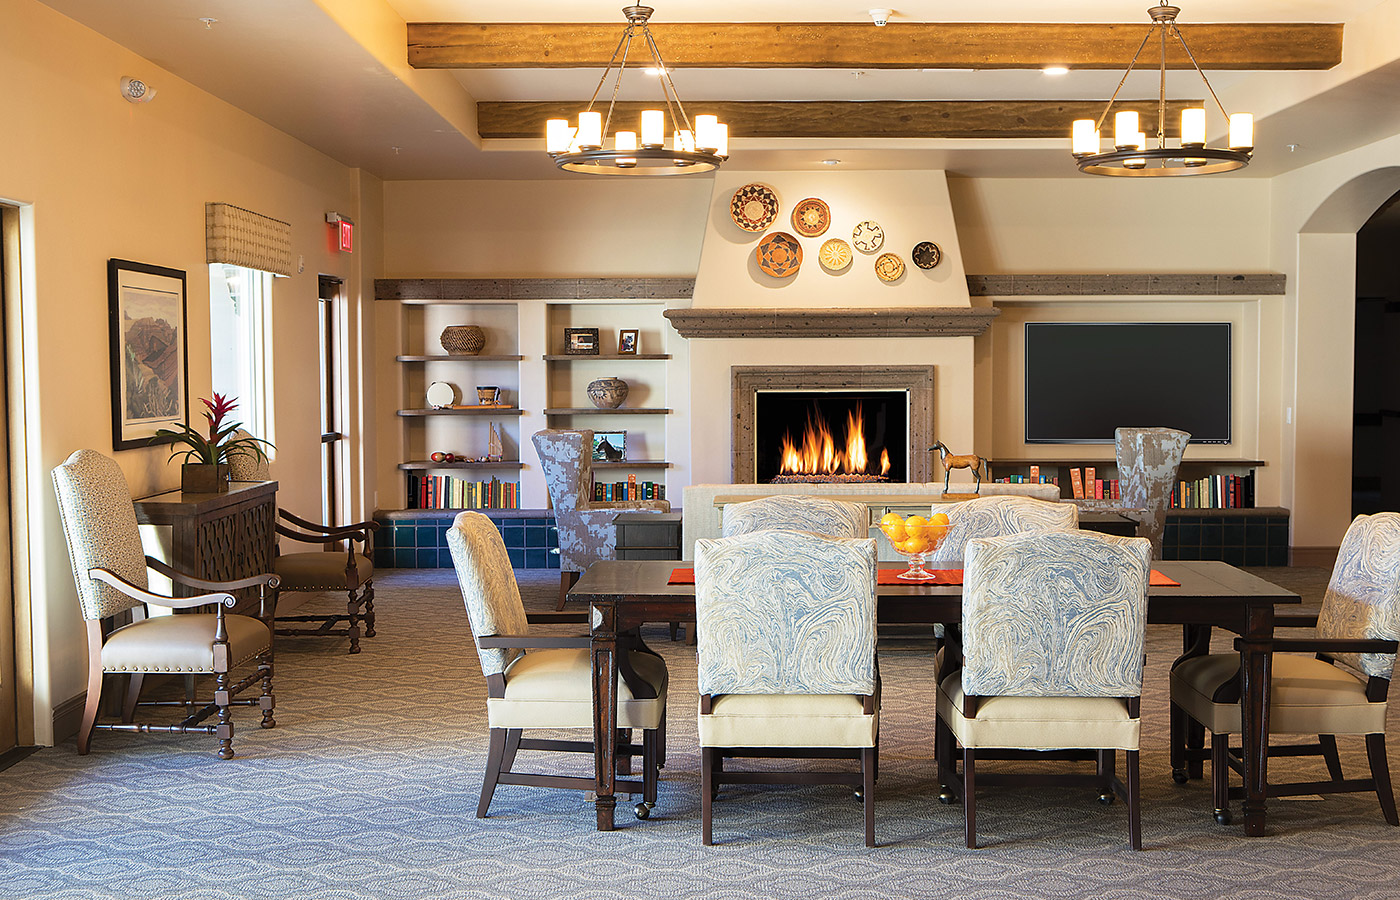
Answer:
[(1375, 448)]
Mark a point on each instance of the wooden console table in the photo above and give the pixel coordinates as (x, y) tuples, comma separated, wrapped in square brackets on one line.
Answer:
[(218, 537)]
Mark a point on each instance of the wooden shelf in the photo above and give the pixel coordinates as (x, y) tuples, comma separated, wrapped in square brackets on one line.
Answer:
[(583, 357), (417, 465), (590, 411), (1112, 461), (466, 411), (458, 357), (632, 464)]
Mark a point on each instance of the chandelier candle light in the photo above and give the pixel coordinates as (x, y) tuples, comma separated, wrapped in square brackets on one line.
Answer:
[(1130, 154), (698, 147)]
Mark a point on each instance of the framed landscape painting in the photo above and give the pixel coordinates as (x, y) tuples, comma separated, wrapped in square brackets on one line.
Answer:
[(149, 371)]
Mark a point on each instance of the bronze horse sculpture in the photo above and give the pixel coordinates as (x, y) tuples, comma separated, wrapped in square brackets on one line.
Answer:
[(951, 461)]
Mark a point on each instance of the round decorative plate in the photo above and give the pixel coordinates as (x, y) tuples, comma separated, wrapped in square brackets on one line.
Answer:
[(868, 236), (889, 267), (926, 254), (441, 395), (811, 217), (754, 207), (835, 254), (779, 254)]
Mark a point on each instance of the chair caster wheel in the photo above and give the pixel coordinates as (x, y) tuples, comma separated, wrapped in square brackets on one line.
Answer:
[(643, 810), (946, 797), (1179, 776), (859, 795), (1223, 816), (1107, 798)]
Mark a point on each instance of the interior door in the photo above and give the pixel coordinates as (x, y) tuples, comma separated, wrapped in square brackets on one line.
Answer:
[(9, 712), (332, 372)]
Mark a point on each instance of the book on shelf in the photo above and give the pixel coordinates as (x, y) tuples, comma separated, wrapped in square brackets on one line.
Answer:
[(1035, 474), (1098, 489), (1089, 475), (1215, 492), (1076, 483), (631, 489), (448, 492)]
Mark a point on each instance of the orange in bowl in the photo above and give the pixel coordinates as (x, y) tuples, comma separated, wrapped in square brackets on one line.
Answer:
[(893, 527), (916, 525)]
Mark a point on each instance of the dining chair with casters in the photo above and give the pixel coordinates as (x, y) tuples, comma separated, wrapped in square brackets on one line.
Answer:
[(786, 661), (1051, 660), (324, 570), (111, 572), (1340, 690), (537, 681), (833, 518), (586, 527), (995, 516)]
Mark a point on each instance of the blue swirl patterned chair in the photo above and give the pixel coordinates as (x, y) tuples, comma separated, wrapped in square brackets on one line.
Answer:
[(995, 516), (1052, 656), (551, 686), (1357, 631), (104, 546), (586, 530), (833, 518), (786, 660)]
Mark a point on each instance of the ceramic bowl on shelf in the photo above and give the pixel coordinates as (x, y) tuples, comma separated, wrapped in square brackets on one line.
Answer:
[(914, 539), (607, 393)]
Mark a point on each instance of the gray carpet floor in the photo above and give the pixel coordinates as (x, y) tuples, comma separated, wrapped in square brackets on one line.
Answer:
[(367, 789)]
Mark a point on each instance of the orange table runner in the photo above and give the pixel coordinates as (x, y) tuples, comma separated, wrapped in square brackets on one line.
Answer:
[(891, 576)]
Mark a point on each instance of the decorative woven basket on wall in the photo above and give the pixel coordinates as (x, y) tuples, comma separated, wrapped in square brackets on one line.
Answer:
[(463, 339)]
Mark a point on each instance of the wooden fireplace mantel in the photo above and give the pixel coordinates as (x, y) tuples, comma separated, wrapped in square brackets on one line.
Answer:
[(907, 321)]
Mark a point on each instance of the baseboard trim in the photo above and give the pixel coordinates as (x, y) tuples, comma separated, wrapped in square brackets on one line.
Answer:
[(1319, 557), (14, 755), (67, 718)]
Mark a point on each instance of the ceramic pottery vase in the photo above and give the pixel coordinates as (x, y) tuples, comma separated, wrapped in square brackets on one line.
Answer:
[(607, 393), (466, 340)]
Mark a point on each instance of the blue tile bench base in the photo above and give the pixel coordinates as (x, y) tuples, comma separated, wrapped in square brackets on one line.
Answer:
[(417, 539), (1240, 540)]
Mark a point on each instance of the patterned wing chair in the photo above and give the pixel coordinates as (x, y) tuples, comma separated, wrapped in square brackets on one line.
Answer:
[(104, 546), (786, 659), (997, 516), (1148, 460), (833, 518), (545, 681), (1053, 627), (586, 530), (1339, 689)]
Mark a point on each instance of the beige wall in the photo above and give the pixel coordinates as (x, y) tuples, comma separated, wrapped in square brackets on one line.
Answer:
[(99, 177)]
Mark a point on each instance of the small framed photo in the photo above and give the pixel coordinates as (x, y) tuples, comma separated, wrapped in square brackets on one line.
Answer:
[(627, 342), (148, 344), (581, 341), (609, 446)]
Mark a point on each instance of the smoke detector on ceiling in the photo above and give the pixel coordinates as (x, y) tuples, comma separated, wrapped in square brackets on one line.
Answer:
[(881, 17), (136, 90)]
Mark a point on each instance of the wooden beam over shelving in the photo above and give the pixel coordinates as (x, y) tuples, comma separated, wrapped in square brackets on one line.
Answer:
[(843, 45)]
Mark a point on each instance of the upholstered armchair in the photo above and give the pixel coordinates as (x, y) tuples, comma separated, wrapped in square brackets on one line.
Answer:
[(999, 515), (104, 546), (833, 518), (786, 660), (540, 681), (1340, 689), (1051, 654), (1148, 460), (320, 570), (586, 530)]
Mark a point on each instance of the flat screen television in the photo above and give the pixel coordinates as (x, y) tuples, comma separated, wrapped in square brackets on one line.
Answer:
[(1085, 379)]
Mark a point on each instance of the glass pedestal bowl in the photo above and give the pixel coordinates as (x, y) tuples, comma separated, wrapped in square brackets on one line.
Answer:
[(915, 541)]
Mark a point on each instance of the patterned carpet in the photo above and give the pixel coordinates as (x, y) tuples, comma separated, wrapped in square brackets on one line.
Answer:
[(367, 789)]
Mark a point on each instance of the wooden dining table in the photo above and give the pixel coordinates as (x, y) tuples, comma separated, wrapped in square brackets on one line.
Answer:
[(625, 594)]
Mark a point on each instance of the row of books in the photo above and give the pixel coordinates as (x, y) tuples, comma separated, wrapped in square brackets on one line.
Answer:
[(631, 489), (446, 492), (1215, 492)]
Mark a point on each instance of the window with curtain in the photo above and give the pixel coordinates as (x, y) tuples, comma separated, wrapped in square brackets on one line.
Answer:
[(241, 342)]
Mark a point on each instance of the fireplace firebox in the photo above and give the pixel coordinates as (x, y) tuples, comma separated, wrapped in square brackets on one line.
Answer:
[(831, 436)]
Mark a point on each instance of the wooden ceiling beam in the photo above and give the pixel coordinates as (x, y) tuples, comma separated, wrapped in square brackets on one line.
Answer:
[(797, 45), (843, 119)]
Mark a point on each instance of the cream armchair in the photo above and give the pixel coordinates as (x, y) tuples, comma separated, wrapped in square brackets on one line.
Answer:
[(786, 666), (1341, 689), (833, 518), (540, 681), (987, 517), (104, 545), (586, 530), (1047, 663)]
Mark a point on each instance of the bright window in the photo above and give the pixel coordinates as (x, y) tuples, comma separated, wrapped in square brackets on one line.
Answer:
[(240, 321)]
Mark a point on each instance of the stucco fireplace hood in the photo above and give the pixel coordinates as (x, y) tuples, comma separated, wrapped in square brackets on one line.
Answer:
[(826, 322)]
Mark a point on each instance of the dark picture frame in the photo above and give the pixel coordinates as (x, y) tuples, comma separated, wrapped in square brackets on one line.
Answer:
[(149, 350), (628, 340), (581, 341), (609, 446)]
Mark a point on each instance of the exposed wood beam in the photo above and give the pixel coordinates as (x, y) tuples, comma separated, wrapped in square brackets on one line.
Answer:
[(873, 119), (825, 45)]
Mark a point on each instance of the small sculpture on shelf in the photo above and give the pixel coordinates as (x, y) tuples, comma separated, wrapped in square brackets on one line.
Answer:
[(441, 457), (488, 395), (967, 461)]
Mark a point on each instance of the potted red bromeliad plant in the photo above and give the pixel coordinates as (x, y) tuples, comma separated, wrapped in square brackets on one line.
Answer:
[(205, 469)]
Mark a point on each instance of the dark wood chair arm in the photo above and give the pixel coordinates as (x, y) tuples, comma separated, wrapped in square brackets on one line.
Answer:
[(1329, 645), (266, 579), (330, 537), (327, 529), (568, 617), (1295, 619), (111, 578), (532, 642)]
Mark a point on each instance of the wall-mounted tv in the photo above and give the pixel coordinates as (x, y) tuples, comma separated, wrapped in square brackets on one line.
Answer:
[(1084, 379)]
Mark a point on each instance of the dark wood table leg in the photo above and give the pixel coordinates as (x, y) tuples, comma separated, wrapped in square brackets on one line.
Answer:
[(1256, 664), (604, 658)]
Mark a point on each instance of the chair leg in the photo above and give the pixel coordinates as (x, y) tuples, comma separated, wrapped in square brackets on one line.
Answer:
[(623, 764), (94, 700), (969, 798), (1329, 755), (943, 753), (566, 581), (1107, 766), (707, 791), (513, 736), (649, 767), (494, 755), (1176, 743), (1195, 740), (661, 742), (367, 596), (352, 610), (1380, 773), (868, 758), (133, 694), (1220, 776), (267, 702), (1130, 763), (225, 728)]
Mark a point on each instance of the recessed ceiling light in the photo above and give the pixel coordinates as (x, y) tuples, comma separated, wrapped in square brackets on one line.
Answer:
[(653, 71), (831, 162), (1055, 70), (209, 22)]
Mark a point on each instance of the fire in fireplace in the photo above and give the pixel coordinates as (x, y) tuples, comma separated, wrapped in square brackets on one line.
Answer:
[(831, 436)]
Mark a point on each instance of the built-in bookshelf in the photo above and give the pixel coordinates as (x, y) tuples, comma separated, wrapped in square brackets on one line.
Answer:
[(1224, 483)]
